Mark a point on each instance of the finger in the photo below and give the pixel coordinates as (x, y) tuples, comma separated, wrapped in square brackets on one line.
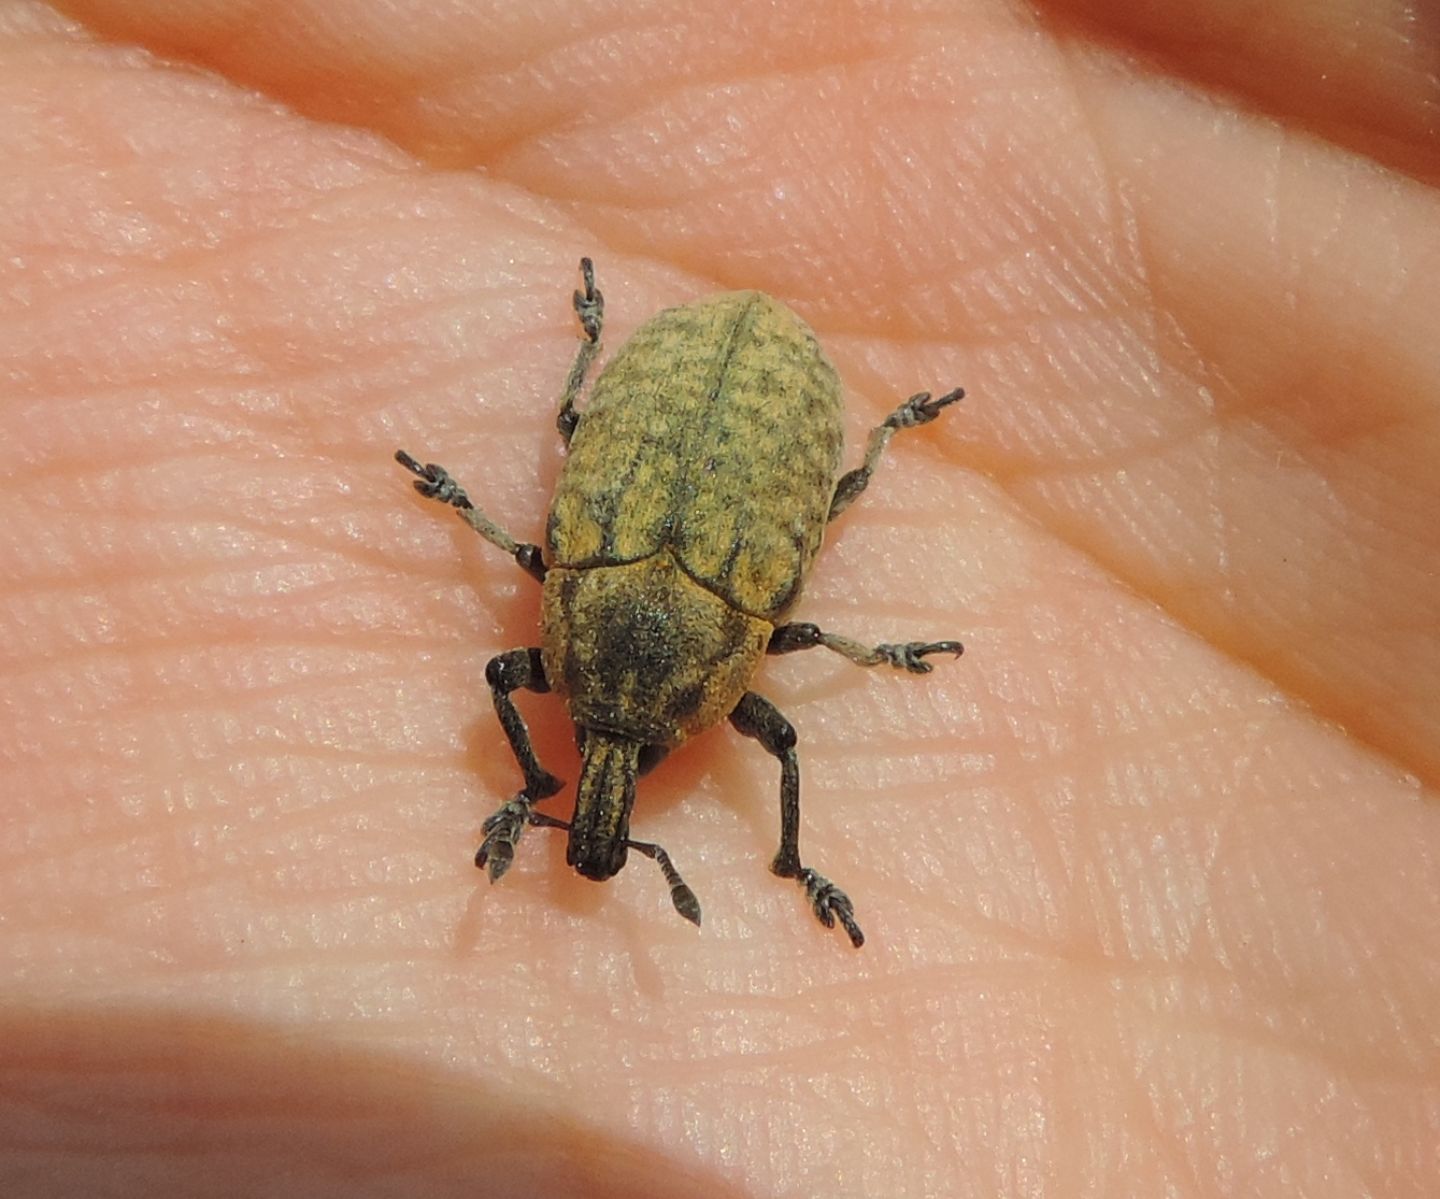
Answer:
[(1359, 72)]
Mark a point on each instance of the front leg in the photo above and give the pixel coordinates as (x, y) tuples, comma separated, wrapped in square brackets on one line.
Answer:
[(435, 483), (759, 718), (906, 655), (506, 673)]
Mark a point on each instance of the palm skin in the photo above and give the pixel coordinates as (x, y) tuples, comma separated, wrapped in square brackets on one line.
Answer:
[(1149, 876)]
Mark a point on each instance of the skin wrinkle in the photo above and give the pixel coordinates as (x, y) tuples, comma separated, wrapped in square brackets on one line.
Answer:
[(1314, 453), (692, 83)]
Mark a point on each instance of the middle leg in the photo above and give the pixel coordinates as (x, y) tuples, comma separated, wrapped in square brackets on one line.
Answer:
[(905, 655), (434, 482)]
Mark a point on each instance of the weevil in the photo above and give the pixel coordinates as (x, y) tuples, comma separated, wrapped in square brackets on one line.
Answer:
[(699, 481)]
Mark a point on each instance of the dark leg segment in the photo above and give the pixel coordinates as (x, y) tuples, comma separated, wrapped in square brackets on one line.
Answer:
[(506, 673), (907, 655), (590, 308), (434, 483), (759, 718), (917, 410)]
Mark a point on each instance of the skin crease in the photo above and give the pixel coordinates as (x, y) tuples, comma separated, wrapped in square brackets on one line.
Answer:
[(1149, 876)]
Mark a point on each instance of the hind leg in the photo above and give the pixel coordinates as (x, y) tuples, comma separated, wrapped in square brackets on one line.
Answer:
[(917, 410)]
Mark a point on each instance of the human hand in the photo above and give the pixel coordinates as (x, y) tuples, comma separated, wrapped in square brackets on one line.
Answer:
[(1149, 876)]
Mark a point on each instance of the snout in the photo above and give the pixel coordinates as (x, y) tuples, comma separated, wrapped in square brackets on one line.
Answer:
[(596, 860)]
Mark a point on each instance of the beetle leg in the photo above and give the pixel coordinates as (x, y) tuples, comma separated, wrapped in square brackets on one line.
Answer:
[(919, 409), (509, 672), (434, 483), (906, 655), (759, 718), (590, 308), (506, 673), (502, 829)]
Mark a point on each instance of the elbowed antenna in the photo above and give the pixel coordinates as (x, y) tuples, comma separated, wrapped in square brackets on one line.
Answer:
[(680, 894)]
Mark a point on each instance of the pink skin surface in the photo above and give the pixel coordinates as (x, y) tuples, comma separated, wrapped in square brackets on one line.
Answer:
[(1151, 876)]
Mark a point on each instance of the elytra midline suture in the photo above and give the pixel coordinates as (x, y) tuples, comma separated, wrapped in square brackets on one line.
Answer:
[(700, 478)]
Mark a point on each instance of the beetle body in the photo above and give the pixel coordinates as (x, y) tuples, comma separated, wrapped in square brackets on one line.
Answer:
[(683, 525), (699, 484)]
